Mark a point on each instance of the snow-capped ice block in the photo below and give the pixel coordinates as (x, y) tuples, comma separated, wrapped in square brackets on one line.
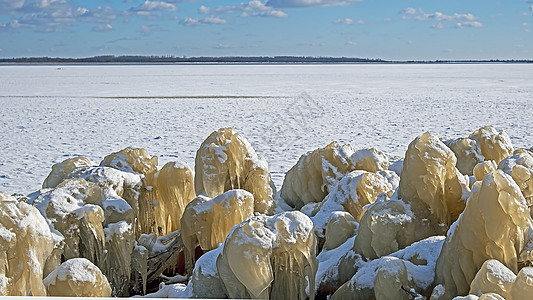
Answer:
[(315, 173), (73, 212), (493, 277), (227, 161), (205, 282), (270, 257), (119, 240), (121, 191), (173, 188), (25, 244), (207, 222), (371, 160), (77, 277), (468, 154), (129, 159), (405, 274), (520, 167), (494, 145), (523, 285), (387, 227), (483, 168), (61, 170), (497, 217), (352, 193), (431, 183), (339, 229)]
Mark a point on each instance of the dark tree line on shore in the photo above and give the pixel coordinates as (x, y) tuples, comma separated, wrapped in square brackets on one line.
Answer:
[(232, 60)]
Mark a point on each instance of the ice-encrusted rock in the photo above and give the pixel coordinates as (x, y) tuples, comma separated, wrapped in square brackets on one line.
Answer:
[(431, 183), (227, 161), (270, 257), (317, 172), (520, 167), (339, 229), (205, 282), (483, 168), (497, 217), (172, 188), (206, 222), (61, 170), (119, 241), (352, 194), (72, 210), (25, 244), (134, 160), (494, 145), (405, 274), (523, 285), (77, 277), (493, 277), (468, 154)]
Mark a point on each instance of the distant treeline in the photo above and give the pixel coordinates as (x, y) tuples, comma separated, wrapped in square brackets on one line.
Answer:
[(232, 60)]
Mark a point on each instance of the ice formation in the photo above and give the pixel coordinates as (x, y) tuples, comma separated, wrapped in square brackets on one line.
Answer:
[(206, 222), (270, 257), (339, 229), (173, 189), (496, 217), (405, 274), (134, 160), (467, 152), (77, 277), (317, 172), (431, 182), (494, 145), (227, 161), (205, 281), (483, 168), (75, 217), (523, 285), (25, 244), (493, 277), (352, 194), (119, 242), (520, 167), (61, 170)]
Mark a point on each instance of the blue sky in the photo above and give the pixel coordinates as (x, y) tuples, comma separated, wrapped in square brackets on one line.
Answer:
[(387, 29)]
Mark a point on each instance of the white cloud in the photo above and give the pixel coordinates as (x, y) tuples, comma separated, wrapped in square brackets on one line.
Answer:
[(147, 29), (155, 6), (203, 21), (252, 8), (350, 43), (309, 3), (474, 24), (102, 28), (345, 21), (409, 11), (204, 10), (6, 6), (438, 16)]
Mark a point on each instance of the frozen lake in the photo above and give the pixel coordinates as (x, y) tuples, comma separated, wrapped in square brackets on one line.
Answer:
[(50, 113)]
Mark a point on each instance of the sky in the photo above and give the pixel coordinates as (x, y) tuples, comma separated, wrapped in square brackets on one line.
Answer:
[(385, 29)]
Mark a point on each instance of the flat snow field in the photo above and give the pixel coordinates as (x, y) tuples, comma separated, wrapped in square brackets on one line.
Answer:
[(50, 113)]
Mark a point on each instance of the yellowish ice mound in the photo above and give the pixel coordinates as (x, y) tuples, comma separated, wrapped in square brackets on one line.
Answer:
[(119, 243), (523, 285), (207, 222), (339, 229), (227, 161), (77, 277), (317, 172), (494, 145), (496, 217), (25, 244), (173, 189), (134, 160), (61, 170), (493, 277), (483, 168), (75, 217), (468, 154), (520, 167), (270, 258), (431, 183)]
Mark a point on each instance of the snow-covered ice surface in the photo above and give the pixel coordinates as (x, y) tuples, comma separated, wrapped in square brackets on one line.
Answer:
[(50, 114)]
